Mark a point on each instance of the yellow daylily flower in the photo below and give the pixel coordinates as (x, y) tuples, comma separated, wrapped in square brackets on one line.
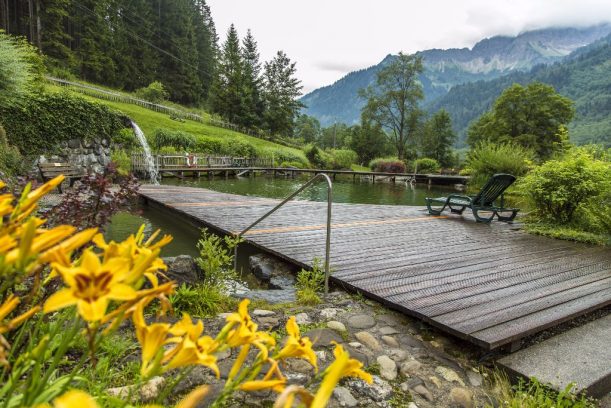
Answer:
[(190, 352), (273, 380), (244, 330), (297, 346), (151, 338), (7, 307), (91, 285), (28, 201), (62, 252), (287, 397), (75, 399)]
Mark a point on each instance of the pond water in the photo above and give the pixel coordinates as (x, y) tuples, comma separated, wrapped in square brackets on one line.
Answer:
[(344, 191)]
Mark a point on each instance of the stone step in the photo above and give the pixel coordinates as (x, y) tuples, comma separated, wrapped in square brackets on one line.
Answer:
[(581, 355)]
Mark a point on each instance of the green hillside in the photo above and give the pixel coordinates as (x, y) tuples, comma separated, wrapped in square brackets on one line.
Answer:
[(149, 121)]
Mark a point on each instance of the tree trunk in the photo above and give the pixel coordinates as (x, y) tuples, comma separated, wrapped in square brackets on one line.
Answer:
[(38, 27), (31, 19)]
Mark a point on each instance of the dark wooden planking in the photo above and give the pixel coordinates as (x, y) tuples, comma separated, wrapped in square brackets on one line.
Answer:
[(463, 277)]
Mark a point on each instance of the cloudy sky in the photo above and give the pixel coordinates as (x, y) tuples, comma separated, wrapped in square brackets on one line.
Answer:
[(329, 38)]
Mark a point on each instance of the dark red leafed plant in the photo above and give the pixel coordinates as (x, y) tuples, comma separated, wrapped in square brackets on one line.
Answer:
[(390, 166), (95, 199)]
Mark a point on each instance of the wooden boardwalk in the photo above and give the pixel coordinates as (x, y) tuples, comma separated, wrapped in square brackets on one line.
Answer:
[(489, 284)]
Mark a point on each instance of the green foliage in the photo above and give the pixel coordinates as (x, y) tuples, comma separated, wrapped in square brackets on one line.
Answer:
[(125, 139), (426, 166), (50, 118), (155, 92), (534, 117), (216, 258), (11, 161), (340, 159), (369, 141), (536, 395), (438, 138), (560, 188), (19, 71), (315, 156), (393, 102), (173, 138), (307, 128), (489, 158), (201, 300), (568, 233), (310, 283), (122, 160), (281, 92), (387, 165)]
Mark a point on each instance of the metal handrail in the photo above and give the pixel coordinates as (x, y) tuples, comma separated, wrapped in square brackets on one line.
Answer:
[(289, 198)]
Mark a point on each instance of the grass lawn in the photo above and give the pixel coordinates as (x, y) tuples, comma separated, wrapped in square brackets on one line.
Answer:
[(150, 120)]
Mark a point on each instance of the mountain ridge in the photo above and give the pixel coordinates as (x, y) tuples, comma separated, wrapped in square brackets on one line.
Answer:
[(488, 59)]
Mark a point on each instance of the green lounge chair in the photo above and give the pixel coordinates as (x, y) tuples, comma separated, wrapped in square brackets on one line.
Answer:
[(483, 201)]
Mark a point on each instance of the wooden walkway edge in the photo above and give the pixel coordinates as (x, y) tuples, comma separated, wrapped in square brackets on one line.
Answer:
[(488, 284)]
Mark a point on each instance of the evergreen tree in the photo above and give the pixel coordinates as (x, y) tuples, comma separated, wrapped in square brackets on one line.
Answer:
[(55, 38), (228, 90), (253, 102), (178, 69), (207, 46), (281, 92), (369, 141), (437, 138), (307, 128)]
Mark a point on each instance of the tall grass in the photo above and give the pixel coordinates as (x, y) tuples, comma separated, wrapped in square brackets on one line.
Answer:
[(489, 158)]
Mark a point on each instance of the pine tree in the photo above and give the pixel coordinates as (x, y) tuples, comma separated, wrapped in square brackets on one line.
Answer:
[(207, 46), (228, 89), (178, 68), (54, 16), (253, 114), (281, 90)]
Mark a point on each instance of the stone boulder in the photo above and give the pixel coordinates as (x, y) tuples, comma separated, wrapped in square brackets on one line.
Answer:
[(272, 271), (183, 269)]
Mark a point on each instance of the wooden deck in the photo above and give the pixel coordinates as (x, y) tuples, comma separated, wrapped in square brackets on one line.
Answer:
[(489, 284)]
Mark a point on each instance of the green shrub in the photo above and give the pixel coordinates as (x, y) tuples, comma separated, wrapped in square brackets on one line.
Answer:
[(310, 283), (122, 160), (201, 300), (155, 92), (50, 118), (216, 259), (387, 165), (559, 188), (294, 164), (488, 158), (315, 156), (237, 148), (341, 159), (208, 146), (426, 166), (126, 139), (175, 138), (21, 70)]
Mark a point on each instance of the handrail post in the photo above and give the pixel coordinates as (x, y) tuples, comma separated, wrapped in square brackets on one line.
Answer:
[(286, 200)]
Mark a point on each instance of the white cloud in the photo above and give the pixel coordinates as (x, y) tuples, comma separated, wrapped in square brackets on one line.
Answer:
[(329, 38)]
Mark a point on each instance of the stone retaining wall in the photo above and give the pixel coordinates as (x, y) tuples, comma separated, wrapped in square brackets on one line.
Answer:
[(90, 155)]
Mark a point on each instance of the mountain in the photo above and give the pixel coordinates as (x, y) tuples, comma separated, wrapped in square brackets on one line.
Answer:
[(584, 76), (488, 59)]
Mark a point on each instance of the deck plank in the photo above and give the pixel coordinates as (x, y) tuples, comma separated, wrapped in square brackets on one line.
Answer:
[(489, 284)]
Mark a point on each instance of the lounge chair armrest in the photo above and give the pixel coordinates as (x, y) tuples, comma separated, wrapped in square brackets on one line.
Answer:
[(462, 197)]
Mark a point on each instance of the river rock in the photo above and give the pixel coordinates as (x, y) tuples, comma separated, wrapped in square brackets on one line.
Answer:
[(344, 397), (424, 392), (323, 337), (475, 379), (390, 341), (398, 355), (337, 326), (410, 368), (361, 321), (329, 313), (183, 269), (388, 368), (387, 331), (262, 313), (462, 397), (302, 318), (449, 375), (148, 391), (276, 273), (368, 340), (379, 390)]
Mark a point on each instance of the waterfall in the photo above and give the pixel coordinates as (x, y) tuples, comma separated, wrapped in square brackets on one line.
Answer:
[(148, 157)]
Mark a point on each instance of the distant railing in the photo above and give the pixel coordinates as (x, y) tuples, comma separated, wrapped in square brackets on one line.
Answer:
[(196, 161)]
